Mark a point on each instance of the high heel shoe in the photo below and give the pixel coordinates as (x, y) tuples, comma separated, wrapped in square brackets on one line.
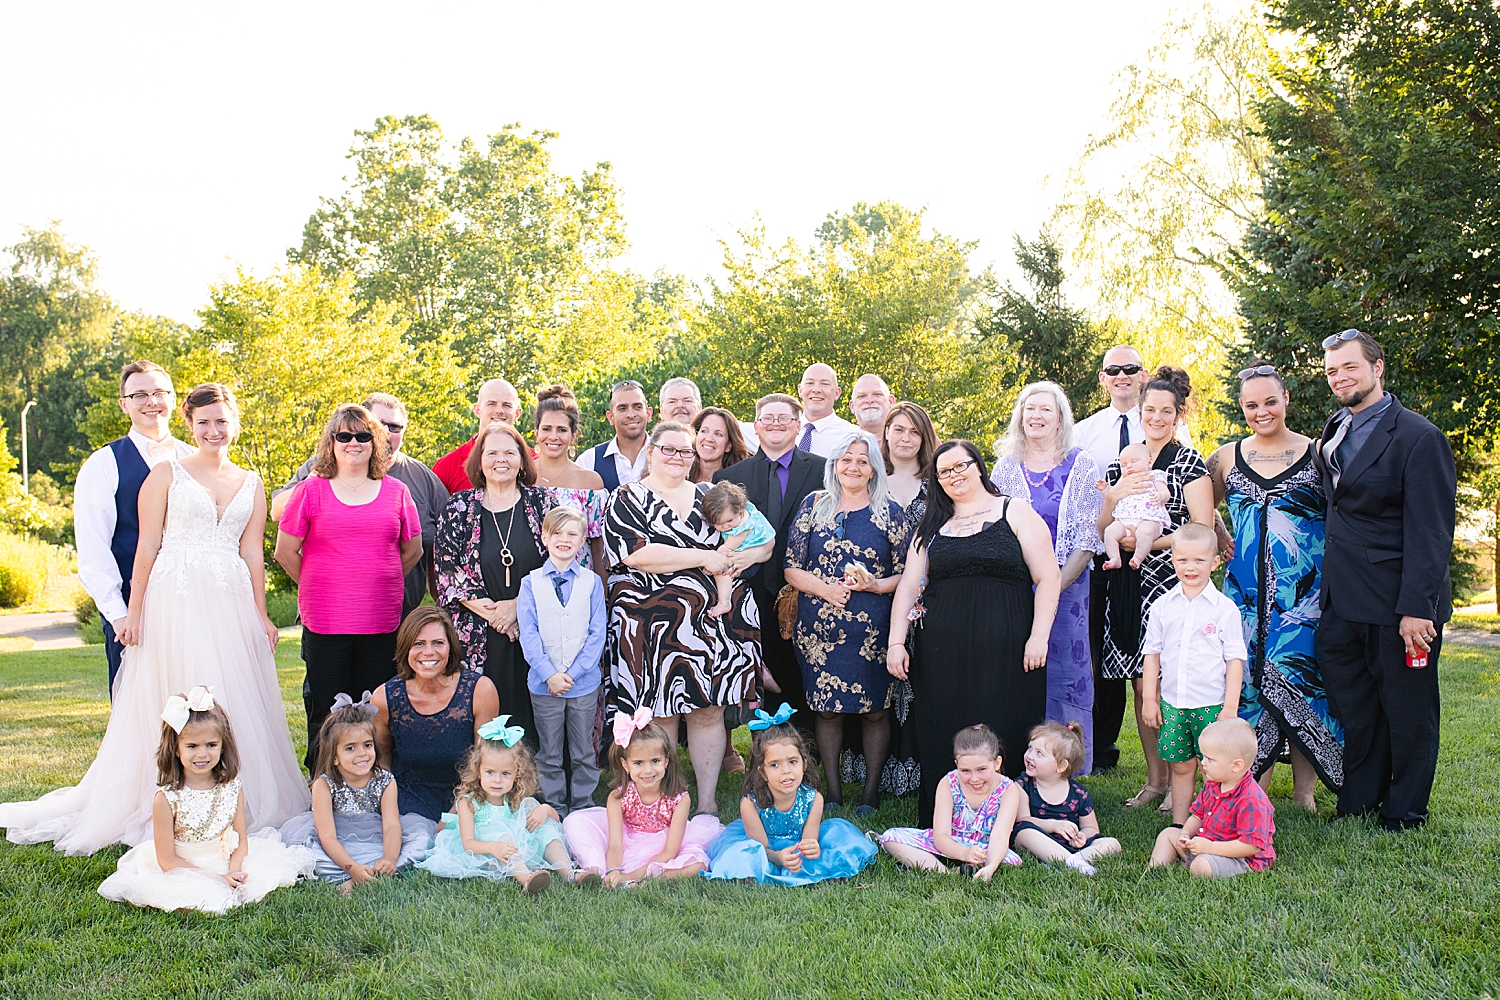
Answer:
[(1145, 796)]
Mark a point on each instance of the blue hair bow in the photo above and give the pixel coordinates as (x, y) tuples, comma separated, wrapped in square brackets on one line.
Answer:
[(496, 730), (764, 721)]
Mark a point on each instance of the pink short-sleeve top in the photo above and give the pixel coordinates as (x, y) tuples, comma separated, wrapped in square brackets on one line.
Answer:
[(351, 581)]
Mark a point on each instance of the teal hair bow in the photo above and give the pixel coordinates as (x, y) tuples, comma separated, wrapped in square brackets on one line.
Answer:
[(764, 721), (496, 730)]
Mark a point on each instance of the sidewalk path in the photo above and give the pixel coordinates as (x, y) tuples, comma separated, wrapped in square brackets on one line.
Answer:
[(48, 630)]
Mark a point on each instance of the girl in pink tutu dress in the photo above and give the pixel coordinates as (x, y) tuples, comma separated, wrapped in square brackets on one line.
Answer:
[(644, 831)]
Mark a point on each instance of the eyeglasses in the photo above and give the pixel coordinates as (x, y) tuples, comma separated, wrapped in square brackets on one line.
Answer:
[(1332, 339), (344, 437), (838, 524), (775, 419), (159, 396), (394, 428), (667, 451), (1257, 370), (956, 469), (1113, 370)]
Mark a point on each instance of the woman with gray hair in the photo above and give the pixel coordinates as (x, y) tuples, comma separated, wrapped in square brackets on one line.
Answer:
[(845, 555), (1037, 462)]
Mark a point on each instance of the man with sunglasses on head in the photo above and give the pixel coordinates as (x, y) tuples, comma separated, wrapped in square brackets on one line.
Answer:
[(105, 525), (1103, 435), (496, 403), (427, 491), (621, 459), (1389, 479)]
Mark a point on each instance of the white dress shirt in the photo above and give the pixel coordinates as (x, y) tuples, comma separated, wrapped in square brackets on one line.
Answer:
[(628, 471), (94, 518), (828, 431), (1099, 434), (1196, 638)]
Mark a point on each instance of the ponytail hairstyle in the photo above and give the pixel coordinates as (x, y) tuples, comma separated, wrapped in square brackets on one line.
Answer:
[(1063, 742), (673, 781), (331, 734), (1175, 381), (977, 739), (169, 770), (755, 779)]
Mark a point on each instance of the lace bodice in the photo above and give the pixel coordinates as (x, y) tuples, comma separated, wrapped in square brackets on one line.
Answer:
[(193, 518), (995, 551), (348, 799), (203, 814), (648, 819)]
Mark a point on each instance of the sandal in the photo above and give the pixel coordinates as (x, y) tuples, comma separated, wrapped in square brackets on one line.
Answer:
[(1145, 796), (538, 883), (732, 763), (1166, 802)]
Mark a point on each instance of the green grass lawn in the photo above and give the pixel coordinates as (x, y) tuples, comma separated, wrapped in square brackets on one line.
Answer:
[(1346, 911)]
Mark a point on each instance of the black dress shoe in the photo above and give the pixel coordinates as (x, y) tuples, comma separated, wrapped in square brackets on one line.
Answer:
[(1401, 825)]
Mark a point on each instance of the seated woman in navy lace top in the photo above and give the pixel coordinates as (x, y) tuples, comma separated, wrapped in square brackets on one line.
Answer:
[(428, 715)]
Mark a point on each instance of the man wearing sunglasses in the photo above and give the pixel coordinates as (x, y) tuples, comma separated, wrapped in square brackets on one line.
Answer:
[(1391, 490), (497, 403), (105, 525), (622, 459), (1103, 435), (426, 489)]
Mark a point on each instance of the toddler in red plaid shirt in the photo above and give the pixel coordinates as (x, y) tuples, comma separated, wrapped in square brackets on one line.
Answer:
[(1231, 824)]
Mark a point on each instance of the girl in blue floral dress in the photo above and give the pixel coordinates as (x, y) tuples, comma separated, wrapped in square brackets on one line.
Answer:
[(781, 836)]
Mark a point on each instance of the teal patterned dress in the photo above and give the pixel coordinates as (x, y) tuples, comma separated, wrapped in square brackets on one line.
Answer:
[(1274, 577)]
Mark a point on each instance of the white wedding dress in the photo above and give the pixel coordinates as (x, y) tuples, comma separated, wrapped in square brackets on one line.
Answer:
[(199, 625)]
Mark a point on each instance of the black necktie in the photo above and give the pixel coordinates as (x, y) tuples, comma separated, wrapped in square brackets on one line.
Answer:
[(1124, 431), (774, 497)]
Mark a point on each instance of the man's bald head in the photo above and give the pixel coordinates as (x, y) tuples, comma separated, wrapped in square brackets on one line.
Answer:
[(819, 390), (497, 403), (1123, 375)]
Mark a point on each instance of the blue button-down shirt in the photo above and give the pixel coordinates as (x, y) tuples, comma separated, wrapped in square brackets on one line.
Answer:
[(585, 666)]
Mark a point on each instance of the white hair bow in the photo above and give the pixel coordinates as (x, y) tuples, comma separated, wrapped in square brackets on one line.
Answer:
[(179, 709)]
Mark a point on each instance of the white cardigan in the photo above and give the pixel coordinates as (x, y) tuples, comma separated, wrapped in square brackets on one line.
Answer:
[(1078, 514)]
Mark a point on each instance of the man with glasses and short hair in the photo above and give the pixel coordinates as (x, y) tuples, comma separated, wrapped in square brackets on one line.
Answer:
[(777, 478), (1103, 435), (105, 525), (680, 400), (497, 403), (1389, 479), (621, 459), (427, 491)]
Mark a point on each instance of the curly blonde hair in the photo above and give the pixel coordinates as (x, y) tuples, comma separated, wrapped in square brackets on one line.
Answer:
[(526, 782)]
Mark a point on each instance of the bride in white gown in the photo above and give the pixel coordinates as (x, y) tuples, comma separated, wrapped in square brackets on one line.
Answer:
[(200, 619)]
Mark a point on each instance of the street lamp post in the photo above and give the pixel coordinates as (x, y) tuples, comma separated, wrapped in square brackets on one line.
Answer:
[(25, 470)]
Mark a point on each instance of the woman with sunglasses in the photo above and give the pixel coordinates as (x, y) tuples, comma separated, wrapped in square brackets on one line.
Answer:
[(845, 554), (984, 568), (1274, 494), (666, 653), (347, 538)]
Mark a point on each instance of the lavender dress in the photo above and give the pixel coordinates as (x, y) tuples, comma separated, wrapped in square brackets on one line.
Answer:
[(1066, 499)]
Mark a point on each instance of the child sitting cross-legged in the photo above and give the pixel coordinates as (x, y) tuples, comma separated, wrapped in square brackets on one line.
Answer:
[(1232, 823), (973, 816), (1055, 819)]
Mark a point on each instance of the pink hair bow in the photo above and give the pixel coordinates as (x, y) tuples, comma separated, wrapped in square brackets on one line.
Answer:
[(627, 724)]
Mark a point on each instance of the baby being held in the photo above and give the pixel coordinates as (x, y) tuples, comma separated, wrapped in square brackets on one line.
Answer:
[(730, 512), (1140, 516)]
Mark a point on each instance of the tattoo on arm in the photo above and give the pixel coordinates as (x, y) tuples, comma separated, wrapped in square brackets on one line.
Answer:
[(1213, 464)]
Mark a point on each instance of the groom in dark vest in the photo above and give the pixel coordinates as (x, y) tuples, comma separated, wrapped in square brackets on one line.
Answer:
[(622, 459), (105, 521)]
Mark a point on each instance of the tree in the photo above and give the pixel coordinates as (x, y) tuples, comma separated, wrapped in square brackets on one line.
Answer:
[(485, 247), (1156, 205), (54, 328), (872, 293), (1382, 203), (1058, 342)]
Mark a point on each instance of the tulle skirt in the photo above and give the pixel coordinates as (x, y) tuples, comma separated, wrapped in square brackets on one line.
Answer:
[(361, 835), (269, 864), (588, 839), (198, 626), (843, 852), (449, 859)]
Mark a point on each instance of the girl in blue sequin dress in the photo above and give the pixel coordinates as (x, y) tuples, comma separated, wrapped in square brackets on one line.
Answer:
[(781, 836)]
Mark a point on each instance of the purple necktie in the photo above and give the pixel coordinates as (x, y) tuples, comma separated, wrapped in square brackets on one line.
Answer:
[(806, 443)]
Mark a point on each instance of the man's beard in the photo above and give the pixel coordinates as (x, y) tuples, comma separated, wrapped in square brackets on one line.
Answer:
[(1356, 397)]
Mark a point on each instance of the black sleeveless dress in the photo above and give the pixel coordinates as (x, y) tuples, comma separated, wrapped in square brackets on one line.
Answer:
[(970, 650)]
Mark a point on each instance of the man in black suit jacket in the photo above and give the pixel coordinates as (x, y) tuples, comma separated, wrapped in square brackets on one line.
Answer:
[(1391, 486), (777, 478)]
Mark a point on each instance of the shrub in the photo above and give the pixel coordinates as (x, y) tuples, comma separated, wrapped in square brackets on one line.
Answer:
[(86, 614), (25, 565), (281, 607)]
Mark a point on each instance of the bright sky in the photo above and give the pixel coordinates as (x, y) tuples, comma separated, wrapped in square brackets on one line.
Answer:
[(181, 140)]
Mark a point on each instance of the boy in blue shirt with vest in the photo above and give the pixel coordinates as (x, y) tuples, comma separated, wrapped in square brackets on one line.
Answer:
[(561, 614)]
